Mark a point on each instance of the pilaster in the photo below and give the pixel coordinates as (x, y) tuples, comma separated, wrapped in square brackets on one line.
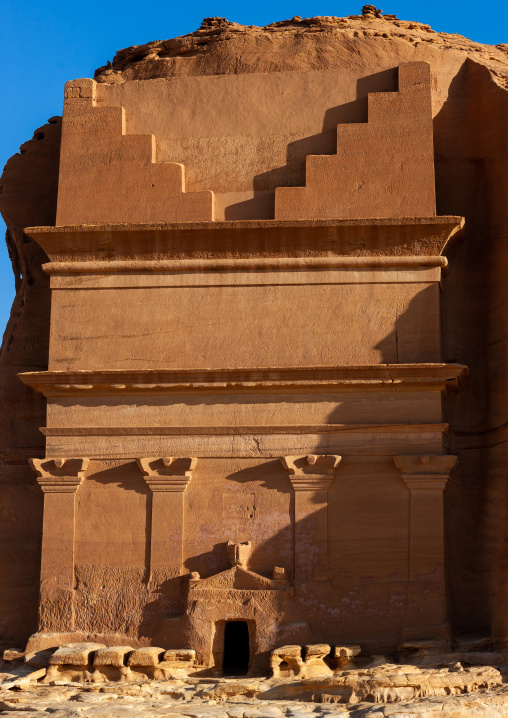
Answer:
[(59, 479), (168, 479), (426, 478), (311, 476)]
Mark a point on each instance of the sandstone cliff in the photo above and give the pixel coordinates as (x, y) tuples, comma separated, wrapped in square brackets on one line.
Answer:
[(470, 107)]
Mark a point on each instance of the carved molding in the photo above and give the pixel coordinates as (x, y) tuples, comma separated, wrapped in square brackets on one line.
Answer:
[(167, 473), (426, 482), (242, 430), (59, 475), (253, 263), (425, 473), (371, 378), (313, 472), (323, 236)]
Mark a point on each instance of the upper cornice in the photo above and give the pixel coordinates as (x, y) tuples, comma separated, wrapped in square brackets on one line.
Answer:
[(393, 237)]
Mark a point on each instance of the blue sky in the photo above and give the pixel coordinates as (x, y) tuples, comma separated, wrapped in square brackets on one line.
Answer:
[(46, 44)]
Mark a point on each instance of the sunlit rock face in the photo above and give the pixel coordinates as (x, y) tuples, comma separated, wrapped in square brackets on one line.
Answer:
[(271, 385)]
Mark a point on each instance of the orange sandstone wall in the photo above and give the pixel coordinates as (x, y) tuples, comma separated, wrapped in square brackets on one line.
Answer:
[(242, 114), (164, 337), (251, 500)]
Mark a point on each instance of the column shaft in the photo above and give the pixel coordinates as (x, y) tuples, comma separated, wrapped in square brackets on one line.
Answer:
[(426, 549), (311, 535), (166, 549), (57, 556)]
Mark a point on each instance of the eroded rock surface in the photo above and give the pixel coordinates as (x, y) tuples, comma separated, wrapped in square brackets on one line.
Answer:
[(387, 690), (222, 46)]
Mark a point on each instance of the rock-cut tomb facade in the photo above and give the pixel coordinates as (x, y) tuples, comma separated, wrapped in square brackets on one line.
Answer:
[(246, 409)]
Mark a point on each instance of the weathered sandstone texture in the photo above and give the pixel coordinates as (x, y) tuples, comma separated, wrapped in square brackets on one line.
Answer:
[(264, 426), (103, 687)]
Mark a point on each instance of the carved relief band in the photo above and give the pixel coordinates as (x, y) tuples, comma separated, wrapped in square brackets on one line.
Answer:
[(168, 479), (426, 478), (311, 477), (59, 479)]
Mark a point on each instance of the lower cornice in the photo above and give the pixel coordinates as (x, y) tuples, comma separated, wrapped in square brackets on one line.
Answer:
[(317, 379)]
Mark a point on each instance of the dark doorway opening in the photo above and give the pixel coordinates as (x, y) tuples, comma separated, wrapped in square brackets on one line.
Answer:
[(236, 649)]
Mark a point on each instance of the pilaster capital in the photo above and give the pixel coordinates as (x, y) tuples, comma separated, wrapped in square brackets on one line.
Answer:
[(311, 473), (167, 473), (425, 473), (59, 475)]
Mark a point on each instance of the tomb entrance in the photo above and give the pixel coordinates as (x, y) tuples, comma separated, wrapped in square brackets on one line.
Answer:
[(236, 649)]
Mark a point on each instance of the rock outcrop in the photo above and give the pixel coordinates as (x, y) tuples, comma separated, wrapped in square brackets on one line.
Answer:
[(315, 43)]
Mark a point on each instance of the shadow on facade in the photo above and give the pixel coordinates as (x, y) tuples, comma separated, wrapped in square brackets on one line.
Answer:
[(475, 518), (292, 174)]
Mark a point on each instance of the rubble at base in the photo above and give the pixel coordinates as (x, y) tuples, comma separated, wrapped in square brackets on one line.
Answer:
[(90, 679), (236, 698)]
